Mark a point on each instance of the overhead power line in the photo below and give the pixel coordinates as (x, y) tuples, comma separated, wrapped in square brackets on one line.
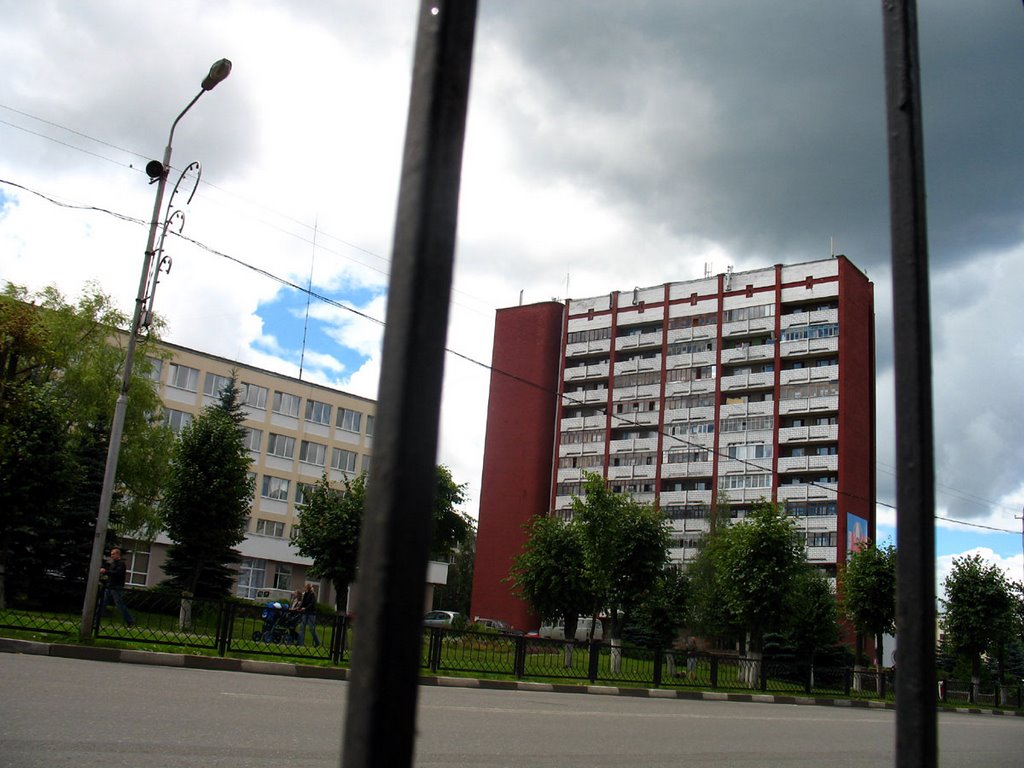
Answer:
[(486, 366)]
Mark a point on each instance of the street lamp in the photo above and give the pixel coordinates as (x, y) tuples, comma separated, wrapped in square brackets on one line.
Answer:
[(142, 317)]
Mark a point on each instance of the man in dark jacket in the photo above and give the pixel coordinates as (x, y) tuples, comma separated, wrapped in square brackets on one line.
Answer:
[(115, 570), (308, 608)]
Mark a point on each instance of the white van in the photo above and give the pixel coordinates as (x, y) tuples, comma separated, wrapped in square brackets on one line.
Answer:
[(556, 631)]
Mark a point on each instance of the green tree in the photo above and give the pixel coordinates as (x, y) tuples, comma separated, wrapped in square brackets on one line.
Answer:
[(980, 610), (66, 359), (451, 527), (330, 520), (868, 588), (550, 572), (664, 611), (752, 565), (625, 547), (208, 499), (457, 593), (813, 614)]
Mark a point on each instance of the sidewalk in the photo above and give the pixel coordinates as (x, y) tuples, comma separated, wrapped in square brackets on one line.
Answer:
[(118, 655)]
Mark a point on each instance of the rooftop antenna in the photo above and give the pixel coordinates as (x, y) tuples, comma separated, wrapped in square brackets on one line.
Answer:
[(832, 245), (309, 295), (728, 277), (707, 269), (521, 297)]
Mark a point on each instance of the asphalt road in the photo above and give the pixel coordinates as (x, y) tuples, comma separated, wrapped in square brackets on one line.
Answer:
[(65, 712)]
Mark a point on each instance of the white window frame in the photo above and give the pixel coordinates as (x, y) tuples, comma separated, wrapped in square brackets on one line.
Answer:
[(349, 420), (336, 456), (176, 420), (283, 402), (214, 384), (271, 528), (252, 573), (318, 412), (253, 439), (282, 446), (183, 377), (254, 396), (318, 450), (275, 488)]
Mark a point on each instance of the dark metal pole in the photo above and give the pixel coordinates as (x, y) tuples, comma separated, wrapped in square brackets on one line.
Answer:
[(916, 729), (380, 722)]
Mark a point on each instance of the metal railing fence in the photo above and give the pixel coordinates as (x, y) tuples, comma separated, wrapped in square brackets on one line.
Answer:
[(237, 627)]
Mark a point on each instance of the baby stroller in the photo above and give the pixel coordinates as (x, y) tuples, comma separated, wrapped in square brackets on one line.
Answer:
[(279, 624)]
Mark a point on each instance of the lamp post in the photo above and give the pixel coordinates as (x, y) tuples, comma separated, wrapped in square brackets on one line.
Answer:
[(157, 172)]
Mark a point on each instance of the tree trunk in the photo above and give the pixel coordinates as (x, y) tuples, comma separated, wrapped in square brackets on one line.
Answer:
[(616, 655)]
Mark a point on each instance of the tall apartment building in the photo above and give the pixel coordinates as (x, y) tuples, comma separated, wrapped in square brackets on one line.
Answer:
[(685, 395), (295, 431)]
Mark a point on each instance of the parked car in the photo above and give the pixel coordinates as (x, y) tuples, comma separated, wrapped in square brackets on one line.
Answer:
[(440, 618), (556, 631), (497, 624)]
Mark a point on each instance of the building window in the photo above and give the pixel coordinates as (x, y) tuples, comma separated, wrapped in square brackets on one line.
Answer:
[(275, 488), (136, 564), (317, 412), (369, 425), (283, 576), (753, 451), (823, 331), (176, 420), (349, 420), (183, 377), (156, 367), (270, 528), (343, 460), (286, 404), (313, 453), (280, 445), (302, 491), (365, 468), (251, 573), (731, 482), (214, 384), (254, 396), (253, 439)]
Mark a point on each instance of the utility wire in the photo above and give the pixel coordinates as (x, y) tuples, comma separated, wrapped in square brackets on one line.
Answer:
[(490, 368)]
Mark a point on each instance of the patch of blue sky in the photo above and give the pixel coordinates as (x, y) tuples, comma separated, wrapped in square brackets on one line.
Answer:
[(953, 541), (284, 319)]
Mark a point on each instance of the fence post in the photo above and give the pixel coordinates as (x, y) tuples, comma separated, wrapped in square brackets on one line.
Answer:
[(519, 662), (763, 672), (972, 696), (847, 681), (809, 679), (595, 654), (435, 649), (226, 626), (659, 659), (339, 640), (714, 671), (98, 613)]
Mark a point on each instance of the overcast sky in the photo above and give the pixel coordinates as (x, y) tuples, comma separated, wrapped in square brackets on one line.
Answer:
[(609, 145)]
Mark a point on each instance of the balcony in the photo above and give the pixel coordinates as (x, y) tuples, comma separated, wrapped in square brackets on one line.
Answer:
[(638, 341), (702, 413), (756, 325), (638, 365), (742, 381), (634, 472), (809, 463), (583, 372), (684, 497), (808, 318), (764, 408), (633, 445), (809, 405), (804, 492), (804, 375), (801, 347), (570, 474), (642, 418), (689, 469), (588, 347)]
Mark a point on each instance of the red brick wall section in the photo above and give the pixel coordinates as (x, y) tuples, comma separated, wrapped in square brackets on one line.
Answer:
[(518, 451), (856, 401)]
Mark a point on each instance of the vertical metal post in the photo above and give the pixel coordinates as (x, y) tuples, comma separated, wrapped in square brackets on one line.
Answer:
[(380, 722), (916, 728)]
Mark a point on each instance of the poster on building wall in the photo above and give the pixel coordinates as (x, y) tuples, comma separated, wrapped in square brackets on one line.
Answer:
[(856, 532)]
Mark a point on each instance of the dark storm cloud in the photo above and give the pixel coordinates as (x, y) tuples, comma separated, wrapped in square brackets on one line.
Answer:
[(761, 126)]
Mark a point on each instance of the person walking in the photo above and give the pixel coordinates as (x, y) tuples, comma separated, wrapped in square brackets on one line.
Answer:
[(308, 608), (116, 570)]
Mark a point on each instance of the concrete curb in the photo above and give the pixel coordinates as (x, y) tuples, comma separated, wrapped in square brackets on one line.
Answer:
[(117, 655)]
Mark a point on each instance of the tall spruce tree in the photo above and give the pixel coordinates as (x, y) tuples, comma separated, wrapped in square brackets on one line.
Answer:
[(208, 499)]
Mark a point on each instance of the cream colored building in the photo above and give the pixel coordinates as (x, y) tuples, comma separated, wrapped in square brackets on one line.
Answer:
[(295, 431)]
